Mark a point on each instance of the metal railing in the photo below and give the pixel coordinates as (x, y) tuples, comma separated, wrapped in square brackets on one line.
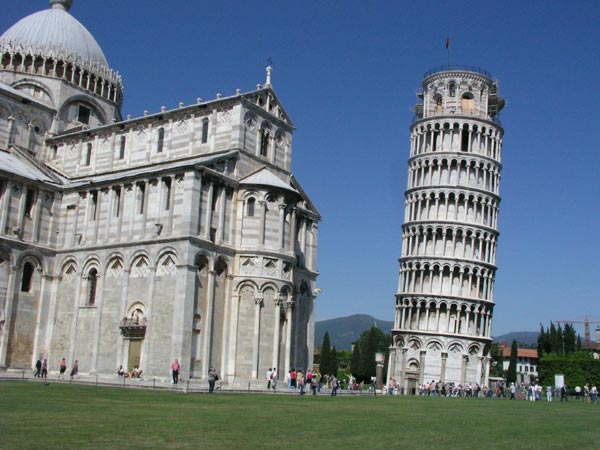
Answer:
[(457, 67)]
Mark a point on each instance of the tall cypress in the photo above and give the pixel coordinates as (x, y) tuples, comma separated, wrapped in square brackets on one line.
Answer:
[(326, 365), (355, 361), (511, 373)]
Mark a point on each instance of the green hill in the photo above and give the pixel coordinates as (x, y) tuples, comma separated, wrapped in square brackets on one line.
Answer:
[(343, 331)]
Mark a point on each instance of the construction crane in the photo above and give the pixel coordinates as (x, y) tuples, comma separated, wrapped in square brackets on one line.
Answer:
[(586, 325)]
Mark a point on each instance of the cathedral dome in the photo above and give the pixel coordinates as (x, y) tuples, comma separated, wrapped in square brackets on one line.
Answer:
[(53, 33)]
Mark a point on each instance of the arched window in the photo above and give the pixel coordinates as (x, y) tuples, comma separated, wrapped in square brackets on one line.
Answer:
[(452, 89), (92, 283), (123, 143), (27, 278), (29, 202), (464, 139), (250, 207), (204, 131), (264, 141), (161, 140), (467, 103)]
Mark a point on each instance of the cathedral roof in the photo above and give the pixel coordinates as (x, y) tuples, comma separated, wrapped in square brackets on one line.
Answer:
[(54, 32), (264, 177), (12, 163)]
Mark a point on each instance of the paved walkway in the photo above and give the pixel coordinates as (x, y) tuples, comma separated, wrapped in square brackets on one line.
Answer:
[(186, 386)]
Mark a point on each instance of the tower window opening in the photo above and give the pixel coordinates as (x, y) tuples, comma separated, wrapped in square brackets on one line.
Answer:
[(161, 140), (264, 141), (29, 202), (94, 211), (439, 101), (27, 277), (250, 207), (467, 103), (204, 131), (167, 193), (117, 203), (83, 114), (452, 89), (464, 140), (92, 283), (122, 144), (435, 141), (141, 197), (88, 155)]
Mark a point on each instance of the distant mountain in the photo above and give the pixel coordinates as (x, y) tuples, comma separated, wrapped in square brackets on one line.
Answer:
[(524, 338), (343, 331)]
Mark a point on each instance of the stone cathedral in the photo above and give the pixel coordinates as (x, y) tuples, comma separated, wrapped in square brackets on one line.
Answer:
[(444, 303), (177, 234)]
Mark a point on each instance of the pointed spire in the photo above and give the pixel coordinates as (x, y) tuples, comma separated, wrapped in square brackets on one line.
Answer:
[(269, 70)]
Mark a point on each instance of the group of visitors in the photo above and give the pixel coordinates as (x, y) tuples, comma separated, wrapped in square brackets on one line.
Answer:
[(438, 389), (62, 364), (535, 391), (590, 394), (41, 368), (311, 381), (135, 373)]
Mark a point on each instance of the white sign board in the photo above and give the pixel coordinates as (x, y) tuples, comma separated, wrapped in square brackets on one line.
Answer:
[(559, 380)]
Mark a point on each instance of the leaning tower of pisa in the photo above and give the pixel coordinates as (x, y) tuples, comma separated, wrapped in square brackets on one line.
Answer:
[(444, 303)]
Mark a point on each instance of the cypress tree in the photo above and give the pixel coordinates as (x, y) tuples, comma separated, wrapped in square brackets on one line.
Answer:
[(355, 361), (511, 373), (367, 353), (326, 365), (570, 338), (334, 361)]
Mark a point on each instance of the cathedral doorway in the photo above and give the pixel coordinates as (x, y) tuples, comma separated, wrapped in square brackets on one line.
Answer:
[(133, 330), (413, 372), (135, 353), (411, 385)]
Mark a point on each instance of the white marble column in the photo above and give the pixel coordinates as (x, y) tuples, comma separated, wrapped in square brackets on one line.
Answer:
[(258, 301)]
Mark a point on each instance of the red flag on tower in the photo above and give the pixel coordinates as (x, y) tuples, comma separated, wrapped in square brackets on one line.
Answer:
[(448, 42)]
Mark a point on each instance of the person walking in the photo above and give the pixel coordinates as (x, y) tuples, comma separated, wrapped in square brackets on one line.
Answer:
[(300, 381), (334, 385), (38, 368), (175, 367), (513, 389), (212, 378), (564, 393), (45, 369), (75, 369), (549, 393), (63, 368), (293, 376), (594, 393), (274, 378), (269, 377)]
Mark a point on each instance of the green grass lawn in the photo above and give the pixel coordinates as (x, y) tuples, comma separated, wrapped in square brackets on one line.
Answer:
[(59, 416)]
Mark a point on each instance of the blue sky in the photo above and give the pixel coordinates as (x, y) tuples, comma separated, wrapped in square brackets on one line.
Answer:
[(347, 72)]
